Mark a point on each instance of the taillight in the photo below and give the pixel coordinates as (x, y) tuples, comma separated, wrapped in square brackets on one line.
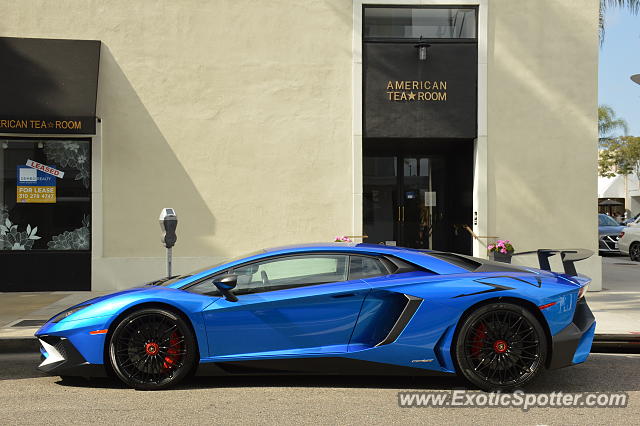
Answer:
[(621, 235)]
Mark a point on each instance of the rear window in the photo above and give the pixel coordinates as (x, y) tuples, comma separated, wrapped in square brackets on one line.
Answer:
[(457, 260)]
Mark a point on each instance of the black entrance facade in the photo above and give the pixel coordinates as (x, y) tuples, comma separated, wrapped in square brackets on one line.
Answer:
[(418, 193), (419, 126)]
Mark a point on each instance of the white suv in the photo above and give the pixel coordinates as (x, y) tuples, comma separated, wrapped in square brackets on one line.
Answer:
[(629, 242)]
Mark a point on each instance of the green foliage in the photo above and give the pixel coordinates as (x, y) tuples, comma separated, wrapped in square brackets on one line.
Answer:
[(608, 123), (632, 5), (620, 156)]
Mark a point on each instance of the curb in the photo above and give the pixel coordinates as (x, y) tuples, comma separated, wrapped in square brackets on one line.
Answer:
[(616, 343), (19, 345)]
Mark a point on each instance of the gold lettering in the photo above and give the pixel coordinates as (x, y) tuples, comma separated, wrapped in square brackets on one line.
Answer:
[(399, 85), (389, 85), (390, 93), (403, 96), (421, 96), (415, 84)]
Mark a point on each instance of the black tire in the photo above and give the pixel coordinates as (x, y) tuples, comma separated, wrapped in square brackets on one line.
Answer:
[(152, 349), (500, 346), (634, 251)]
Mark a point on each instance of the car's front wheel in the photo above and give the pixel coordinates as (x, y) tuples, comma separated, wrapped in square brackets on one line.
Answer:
[(634, 251), (152, 349), (500, 346)]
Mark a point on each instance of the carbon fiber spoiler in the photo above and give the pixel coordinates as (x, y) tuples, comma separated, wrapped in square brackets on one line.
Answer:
[(568, 256)]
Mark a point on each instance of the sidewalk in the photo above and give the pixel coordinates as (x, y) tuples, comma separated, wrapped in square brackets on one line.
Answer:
[(616, 308), (24, 313)]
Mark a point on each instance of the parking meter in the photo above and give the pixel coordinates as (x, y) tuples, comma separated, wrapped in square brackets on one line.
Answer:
[(168, 224)]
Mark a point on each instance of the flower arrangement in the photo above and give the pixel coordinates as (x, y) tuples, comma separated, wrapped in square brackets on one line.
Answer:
[(501, 246), (342, 239)]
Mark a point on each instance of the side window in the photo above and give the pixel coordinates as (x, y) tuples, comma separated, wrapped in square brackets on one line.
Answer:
[(287, 272), (365, 267), (282, 273)]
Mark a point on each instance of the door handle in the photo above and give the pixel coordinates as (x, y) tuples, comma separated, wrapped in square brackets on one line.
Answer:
[(399, 220), (403, 213), (340, 296)]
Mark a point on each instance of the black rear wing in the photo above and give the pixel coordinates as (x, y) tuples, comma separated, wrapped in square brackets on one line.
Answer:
[(568, 256)]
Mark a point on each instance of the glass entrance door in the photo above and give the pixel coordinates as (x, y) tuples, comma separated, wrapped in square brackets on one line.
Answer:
[(403, 200), (420, 213)]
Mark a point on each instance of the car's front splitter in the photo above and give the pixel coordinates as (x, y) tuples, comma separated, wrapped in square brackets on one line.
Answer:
[(61, 358), (572, 344)]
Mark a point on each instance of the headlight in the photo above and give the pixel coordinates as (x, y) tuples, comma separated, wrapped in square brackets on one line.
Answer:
[(62, 315)]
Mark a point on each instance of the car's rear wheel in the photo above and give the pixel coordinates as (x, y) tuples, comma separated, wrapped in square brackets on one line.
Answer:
[(500, 346), (152, 349), (634, 251)]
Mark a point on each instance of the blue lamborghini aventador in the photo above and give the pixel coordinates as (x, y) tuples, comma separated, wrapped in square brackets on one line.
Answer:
[(333, 309)]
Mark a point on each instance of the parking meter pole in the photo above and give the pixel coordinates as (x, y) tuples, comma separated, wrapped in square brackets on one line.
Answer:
[(168, 224)]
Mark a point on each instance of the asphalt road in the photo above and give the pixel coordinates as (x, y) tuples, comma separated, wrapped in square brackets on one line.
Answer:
[(28, 397)]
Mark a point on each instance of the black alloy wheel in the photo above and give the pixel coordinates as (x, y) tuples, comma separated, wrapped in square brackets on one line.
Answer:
[(634, 251), (152, 349), (501, 346)]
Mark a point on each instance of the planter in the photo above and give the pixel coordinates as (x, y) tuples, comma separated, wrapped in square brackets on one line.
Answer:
[(500, 257)]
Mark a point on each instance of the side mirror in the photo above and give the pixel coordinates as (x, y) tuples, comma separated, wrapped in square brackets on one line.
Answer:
[(225, 284)]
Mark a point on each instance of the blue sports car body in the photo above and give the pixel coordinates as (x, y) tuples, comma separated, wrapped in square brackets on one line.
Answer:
[(331, 309)]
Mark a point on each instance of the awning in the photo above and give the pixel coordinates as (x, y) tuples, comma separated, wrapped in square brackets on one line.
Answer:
[(48, 86)]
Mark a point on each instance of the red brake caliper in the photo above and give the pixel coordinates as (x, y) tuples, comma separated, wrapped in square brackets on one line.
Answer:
[(478, 339), (173, 353)]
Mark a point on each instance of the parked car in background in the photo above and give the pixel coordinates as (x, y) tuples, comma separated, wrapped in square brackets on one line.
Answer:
[(608, 232), (635, 222), (632, 221), (629, 242)]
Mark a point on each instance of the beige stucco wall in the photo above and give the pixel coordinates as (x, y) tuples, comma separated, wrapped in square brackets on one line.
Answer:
[(236, 113), (542, 124), (239, 115)]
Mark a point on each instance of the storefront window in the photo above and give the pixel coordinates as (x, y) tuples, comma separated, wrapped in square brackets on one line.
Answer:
[(45, 196), (413, 23)]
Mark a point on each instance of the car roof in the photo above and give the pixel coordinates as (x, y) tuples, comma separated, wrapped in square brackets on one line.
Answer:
[(354, 247)]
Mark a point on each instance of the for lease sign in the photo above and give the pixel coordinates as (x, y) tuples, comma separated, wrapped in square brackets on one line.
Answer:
[(44, 168), (35, 186)]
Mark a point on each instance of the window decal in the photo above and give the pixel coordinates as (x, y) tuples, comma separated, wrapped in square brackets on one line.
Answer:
[(78, 239), (13, 239), (70, 154)]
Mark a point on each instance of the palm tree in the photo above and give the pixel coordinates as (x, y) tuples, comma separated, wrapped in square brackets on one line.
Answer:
[(632, 5), (608, 123)]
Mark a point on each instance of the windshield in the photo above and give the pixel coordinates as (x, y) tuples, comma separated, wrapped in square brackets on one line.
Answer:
[(173, 279), (605, 220)]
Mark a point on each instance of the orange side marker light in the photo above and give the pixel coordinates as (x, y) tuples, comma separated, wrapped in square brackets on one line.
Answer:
[(548, 305)]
